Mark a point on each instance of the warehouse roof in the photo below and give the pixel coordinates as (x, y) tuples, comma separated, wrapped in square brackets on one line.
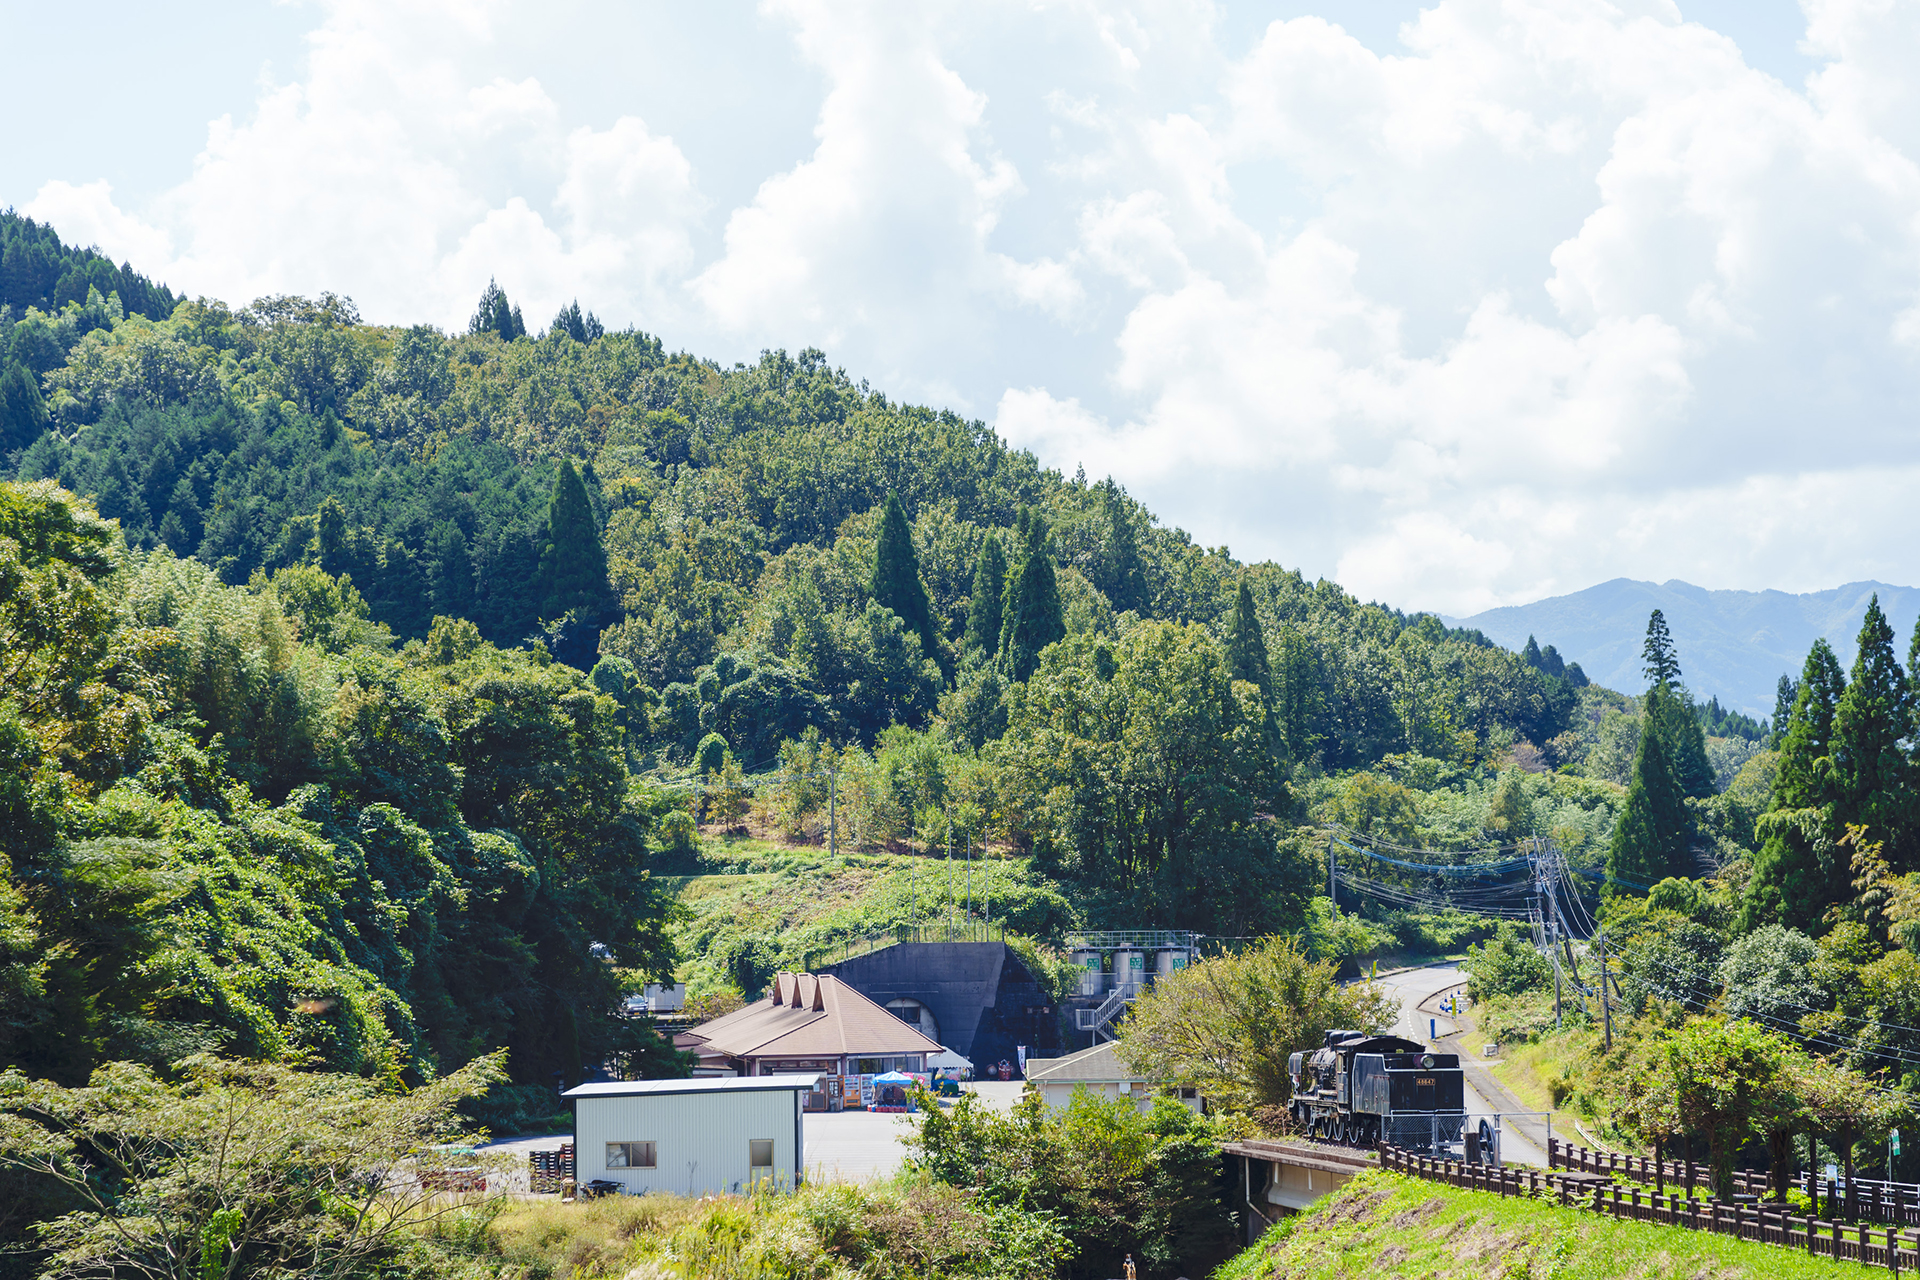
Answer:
[(1099, 1063), (808, 1016), (710, 1084)]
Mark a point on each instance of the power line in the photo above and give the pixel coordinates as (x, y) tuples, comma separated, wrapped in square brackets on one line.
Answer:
[(1791, 1030), (1437, 868), (1403, 848)]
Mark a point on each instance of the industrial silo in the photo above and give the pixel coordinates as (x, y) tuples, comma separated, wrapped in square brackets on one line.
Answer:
[(1129, 968), (1087, 961), (1170, 960)]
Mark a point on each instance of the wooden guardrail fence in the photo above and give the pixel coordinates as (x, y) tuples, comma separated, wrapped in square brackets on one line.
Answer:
[(1860, 1199), (1893, 1247)]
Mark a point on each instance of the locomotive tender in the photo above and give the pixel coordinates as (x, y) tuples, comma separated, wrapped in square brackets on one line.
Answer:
[(1358, 1087)]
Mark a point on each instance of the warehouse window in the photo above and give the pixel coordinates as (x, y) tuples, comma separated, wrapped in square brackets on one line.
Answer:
[(630, 1155), (760, 1158)]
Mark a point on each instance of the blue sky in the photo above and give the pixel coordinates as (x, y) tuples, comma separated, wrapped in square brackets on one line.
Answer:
[(1461, 304)]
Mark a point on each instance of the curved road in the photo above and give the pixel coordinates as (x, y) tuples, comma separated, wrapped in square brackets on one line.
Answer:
[(1522, 1141)]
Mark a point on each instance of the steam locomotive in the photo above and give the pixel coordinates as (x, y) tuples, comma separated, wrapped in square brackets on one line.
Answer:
[(1360, 1088)]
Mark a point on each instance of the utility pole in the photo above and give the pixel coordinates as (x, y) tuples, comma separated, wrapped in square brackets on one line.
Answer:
[(1331, 896), (833, 813), (967, 851), (1553, 901), (986, 881), (1547, 913), (1606, 1010)]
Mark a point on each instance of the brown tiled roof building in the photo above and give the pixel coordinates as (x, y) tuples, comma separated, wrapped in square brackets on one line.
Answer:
[(808, 1023)]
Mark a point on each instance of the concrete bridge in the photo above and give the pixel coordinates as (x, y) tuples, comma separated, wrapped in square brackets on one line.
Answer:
[(1280, 1178)]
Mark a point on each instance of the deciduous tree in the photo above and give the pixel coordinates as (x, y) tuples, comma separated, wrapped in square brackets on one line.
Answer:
[(1226, 1025)]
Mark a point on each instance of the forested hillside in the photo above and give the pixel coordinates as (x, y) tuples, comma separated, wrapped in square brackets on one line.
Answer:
[(485, 603), (376, 699), (705, 572)]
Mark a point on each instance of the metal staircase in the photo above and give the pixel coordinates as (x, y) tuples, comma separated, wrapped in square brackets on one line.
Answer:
[(1099, 1020)]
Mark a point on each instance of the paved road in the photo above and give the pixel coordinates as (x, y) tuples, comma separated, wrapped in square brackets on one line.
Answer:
[(1419, 992)]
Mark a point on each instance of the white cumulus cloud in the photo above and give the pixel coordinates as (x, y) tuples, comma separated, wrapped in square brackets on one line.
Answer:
[(1538, 293)]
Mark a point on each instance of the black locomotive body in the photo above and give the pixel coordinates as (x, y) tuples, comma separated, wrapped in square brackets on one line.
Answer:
[(1360, 1088)]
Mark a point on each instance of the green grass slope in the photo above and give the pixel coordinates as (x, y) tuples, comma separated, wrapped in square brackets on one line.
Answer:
[(1388, 1225)]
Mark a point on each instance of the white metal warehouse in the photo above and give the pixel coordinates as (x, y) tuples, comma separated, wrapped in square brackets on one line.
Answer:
[(691, 1137)]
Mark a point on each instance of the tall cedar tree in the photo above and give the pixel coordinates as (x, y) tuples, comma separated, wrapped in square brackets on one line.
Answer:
[(896, 579), (573, 567), (579, 327), (23, 414), (1650, 840), (989, 591), (1247, 651), (1032, 618), (497, 315), (1298, 702), (452, 573), (1663, 666), (1869, 721), (1247, 645), (1788, 689), (1684, 740), (1796, 873), (1123, 579)]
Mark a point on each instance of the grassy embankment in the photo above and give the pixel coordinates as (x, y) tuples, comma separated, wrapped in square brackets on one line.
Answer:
[(1386, 1224), (754, 905), (895, 1231)]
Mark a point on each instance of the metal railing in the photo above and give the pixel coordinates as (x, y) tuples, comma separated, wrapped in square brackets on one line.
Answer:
[(939, 931), (1096, 1019), (1477, 1138), (1141, 939)]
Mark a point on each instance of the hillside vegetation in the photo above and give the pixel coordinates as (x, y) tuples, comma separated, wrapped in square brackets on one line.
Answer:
[(378, 699)]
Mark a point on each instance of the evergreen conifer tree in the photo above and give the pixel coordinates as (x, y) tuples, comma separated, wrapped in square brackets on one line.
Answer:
[(1685, 744), (1784, 694), (989, 593), (1870, 720), (452, 573), (1663, 667), (573, 566), (1247, 645), (1297, 695), (1247, 651), (497, 315), (1796, 874), (1122, 579), (896, 579), (1032, 618), (1650, 840), (23, 414)]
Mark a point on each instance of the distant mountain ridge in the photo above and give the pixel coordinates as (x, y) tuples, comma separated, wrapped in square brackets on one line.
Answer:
[(1733, 644)]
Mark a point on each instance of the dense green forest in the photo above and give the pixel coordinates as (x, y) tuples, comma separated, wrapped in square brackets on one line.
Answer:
[(371, 693), (771, 569)]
